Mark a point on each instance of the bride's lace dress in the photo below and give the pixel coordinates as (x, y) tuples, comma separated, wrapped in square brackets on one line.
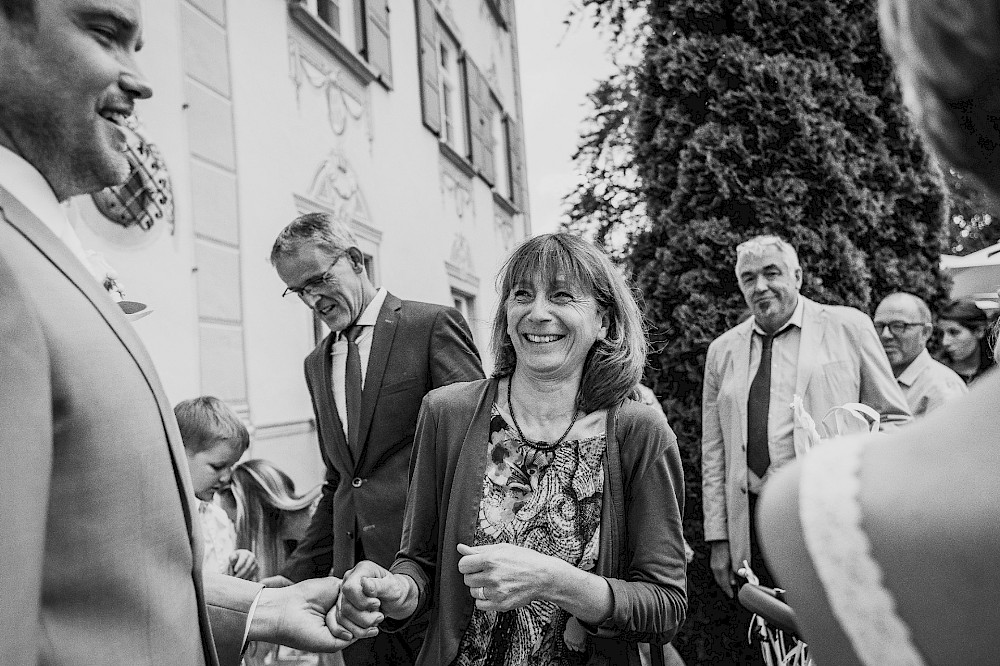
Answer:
[(841, 552)]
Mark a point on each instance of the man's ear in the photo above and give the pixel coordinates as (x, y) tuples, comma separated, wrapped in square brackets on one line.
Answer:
[(357, 259), (798, 277)]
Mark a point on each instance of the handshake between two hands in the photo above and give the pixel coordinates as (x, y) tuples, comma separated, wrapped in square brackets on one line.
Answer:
[(328, 614)]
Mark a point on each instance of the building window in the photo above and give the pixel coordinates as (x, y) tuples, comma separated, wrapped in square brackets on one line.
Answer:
[(329, 13), (501, 149), (452, 119), (356, 27), (466, 305)]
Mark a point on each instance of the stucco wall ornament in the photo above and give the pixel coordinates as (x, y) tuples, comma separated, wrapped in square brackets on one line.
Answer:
[(341, 106), (461, 254), (459, 193), (146, 199), (505, 227), (335, 184)]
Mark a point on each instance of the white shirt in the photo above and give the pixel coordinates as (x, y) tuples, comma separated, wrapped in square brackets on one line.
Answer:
[(784, 368), (29, 187), (928, 384), (220, 537), (338, 354)]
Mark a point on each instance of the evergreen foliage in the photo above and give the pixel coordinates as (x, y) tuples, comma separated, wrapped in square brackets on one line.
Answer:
[(749, 117)]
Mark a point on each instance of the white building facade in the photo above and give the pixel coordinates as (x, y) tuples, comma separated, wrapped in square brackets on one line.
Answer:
[(401, 117)]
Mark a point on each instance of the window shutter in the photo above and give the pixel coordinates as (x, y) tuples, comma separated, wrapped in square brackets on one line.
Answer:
[(501, 11), (377, 38), (516, 161), (427, 55), (479, 114)]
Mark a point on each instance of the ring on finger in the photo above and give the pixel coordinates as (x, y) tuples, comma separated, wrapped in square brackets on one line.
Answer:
[(481, 594)]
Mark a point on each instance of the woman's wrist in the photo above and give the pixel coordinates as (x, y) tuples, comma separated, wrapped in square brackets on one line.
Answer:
[(407, 603), (584, 595)]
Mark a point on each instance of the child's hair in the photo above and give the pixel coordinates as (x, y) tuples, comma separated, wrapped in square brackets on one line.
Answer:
[(206, 420), (265, 498)]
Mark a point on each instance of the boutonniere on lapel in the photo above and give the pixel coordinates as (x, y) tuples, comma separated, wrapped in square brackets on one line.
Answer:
[(109, 279)]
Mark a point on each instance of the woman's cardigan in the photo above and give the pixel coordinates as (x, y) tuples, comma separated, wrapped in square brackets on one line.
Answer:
[(642, 559)]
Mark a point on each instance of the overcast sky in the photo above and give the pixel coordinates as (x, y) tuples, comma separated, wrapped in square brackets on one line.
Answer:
[(560, 64)]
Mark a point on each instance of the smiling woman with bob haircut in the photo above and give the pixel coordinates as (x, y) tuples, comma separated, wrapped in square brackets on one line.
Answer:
[(543, 519)]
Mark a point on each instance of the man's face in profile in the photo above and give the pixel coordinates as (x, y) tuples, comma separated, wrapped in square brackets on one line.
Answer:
[(67, 79)]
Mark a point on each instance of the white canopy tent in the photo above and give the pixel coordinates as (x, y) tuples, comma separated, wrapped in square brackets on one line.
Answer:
[(975, 275)]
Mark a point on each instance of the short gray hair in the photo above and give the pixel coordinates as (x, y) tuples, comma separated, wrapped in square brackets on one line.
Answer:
[(758, 244), (923, 311), (317, 229)]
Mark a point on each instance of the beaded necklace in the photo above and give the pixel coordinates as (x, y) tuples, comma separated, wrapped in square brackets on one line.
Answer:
[(538, 446)]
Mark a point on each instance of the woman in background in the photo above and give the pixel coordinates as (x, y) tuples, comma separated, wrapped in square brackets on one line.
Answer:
[(964, 341)]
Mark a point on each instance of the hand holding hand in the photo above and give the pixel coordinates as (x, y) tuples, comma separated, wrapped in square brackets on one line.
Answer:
[(722, 568), (502, 577), (296, 616), (370, 594), (243, 564)]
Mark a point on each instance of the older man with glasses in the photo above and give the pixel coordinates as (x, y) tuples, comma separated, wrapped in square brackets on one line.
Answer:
[(367, 380), (903, 322)]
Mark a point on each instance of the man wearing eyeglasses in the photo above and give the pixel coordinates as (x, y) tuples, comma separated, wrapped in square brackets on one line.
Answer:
[(791, 346), (903, 322), (367, 380)]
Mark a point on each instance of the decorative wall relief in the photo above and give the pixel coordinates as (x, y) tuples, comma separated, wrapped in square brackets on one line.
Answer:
[(504, 224), (457, 193), (461, 254), (144, 203), (335, 184), (344, 102)]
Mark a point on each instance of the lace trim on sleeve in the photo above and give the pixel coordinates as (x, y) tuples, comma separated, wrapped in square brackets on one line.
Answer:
[(841, 552)]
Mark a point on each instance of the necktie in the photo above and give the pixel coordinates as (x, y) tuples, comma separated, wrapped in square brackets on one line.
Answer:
[(352, 387), (758, 405)]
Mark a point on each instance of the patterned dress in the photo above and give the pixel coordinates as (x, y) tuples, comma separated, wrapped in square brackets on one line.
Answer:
[(549, 501)]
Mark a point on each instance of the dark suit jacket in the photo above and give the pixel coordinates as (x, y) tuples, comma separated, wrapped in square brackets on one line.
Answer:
[(416, 347), (102, 560)]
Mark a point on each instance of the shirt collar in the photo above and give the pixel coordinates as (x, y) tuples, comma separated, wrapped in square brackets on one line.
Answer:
[(913, 370), (370, 316), (28, 186), (794, 320)]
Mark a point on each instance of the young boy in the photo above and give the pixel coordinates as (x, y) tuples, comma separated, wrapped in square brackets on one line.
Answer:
[(214, 439)]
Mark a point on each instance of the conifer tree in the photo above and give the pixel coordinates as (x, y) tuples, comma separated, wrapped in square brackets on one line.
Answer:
[(765, 116)]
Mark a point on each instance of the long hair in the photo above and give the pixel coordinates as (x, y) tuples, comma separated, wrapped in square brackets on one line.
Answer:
[(614, 365), (265, 496), (947, 55), (967, 314)]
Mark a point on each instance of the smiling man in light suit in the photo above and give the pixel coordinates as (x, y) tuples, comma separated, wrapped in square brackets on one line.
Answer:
[(828, 355), (101, 555), (367, 380)]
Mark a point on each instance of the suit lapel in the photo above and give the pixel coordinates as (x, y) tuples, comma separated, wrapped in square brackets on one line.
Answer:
[(810, 341), (382, 337), (66, 262), (741, 374)]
